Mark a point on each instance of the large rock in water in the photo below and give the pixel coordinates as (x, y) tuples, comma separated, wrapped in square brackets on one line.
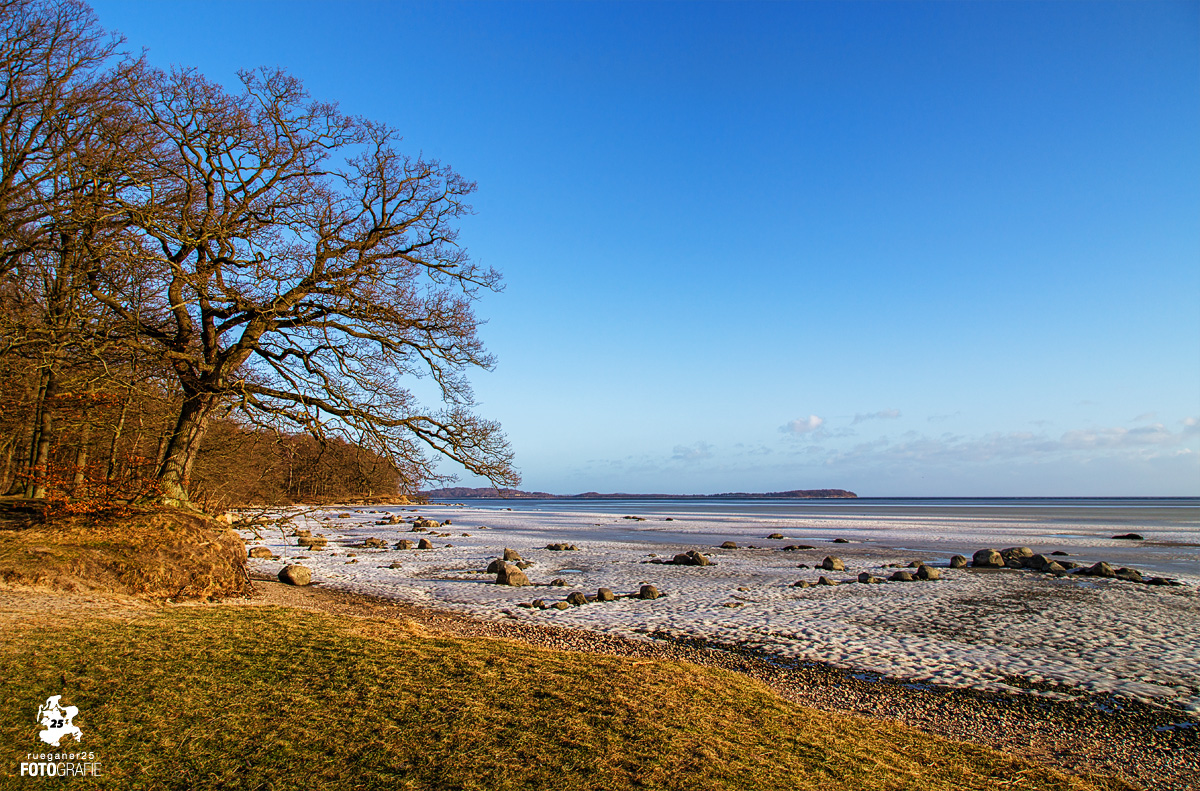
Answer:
[(958, 562), (295, 575), (831, 563), (987, 558), (511, 575)]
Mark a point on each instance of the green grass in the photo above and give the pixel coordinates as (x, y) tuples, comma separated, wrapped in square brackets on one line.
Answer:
[(271, 698)]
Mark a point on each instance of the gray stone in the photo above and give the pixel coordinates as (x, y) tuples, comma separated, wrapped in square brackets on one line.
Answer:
[(841, 541), (958, 562), (902, 576), (926, 573), (987, 558), (509, 574), (512, 554), (864, 576), (576, 599), (825, 581), (729, 545), (295, 575), (1053, 568), (558, 582), (648, 592), (495, 566), (561, 605), (604, 594), (424, 543), (1020, 552), (562, 547), (1129, 537), (831, 563), (776, 536), (404, 543), (802, 584)]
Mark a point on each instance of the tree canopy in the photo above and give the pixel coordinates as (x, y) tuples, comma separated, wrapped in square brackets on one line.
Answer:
[(249, 254)]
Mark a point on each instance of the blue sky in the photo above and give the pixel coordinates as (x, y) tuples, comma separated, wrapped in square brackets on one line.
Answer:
[(906, 249)]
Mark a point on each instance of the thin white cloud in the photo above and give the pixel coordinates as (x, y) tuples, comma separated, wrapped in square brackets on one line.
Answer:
[(940, 418), (803, 425), (883, 414), (1144, 416), (696, 452)]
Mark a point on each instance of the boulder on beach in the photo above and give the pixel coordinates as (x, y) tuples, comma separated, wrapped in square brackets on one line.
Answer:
[(729, 545), (927, 573), (902, 576), (802, 584), (1132, 575), (775, 537), (1129, 537), (987, 558), (1053, 567), (512, 554), (524, 564), (560, 605), (295, 575), (604, 594), (869, 578), (562, 547), (1100, 569), (576, 599), (825, 581), (558, 582), (831, 563), (841, 541), (495, 566), (1038, 562), (311, 541), (259, 552), (691, 558), (424, 543), (509, 574), (374, 543), (648, 592), (404, 543), (958, 562), (426, 523)]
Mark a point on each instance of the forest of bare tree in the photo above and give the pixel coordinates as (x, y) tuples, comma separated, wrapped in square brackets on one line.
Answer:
[(212, 296)]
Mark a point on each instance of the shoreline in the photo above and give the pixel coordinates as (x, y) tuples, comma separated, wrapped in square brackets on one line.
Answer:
[(1091, 734)]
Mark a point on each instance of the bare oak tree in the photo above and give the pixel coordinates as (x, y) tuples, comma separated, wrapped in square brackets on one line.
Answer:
[(288, 261)]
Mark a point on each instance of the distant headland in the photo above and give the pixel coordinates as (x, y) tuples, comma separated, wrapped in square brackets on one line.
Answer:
[(488, 493)]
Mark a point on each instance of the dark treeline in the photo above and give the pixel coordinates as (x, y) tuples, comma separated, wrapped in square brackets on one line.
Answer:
[(211, 296)]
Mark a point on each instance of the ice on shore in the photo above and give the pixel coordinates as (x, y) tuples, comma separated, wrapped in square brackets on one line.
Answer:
[(972, 628)]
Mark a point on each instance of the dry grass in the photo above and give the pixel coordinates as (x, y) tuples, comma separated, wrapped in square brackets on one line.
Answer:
[(160, 553), (267, 697)]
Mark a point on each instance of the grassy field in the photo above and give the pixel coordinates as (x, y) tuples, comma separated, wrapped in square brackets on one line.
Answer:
[(255, 697)]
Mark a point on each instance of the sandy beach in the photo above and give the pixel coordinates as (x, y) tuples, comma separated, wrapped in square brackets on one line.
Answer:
[(1005, 630)]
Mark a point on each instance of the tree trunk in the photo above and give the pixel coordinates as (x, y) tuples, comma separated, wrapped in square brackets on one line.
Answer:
[(39, 462), (81, 458), (182, 446)]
